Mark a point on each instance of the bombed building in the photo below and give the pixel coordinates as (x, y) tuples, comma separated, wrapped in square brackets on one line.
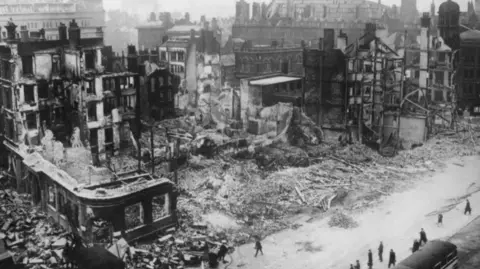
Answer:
[(70, 133)]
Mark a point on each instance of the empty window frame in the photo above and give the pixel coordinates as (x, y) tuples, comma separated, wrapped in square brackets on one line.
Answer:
[(51, 196), (160, 207), (134, 216), (27, 65), (29, 93), (92, 111), (31, 119)]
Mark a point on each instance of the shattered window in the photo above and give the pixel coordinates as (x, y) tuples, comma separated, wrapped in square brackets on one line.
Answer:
[(29, 93), (43, 90), (31, 119), (92, 112), (27, 65), (134, 216), (61, 203), (159, 207), (90, 60), (51, 196)]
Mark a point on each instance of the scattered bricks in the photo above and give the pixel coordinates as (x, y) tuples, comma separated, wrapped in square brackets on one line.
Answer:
[(165, 238), (171, 230), (52, 260), (35, 261), (199, 225), (6, 225), (60, 243)]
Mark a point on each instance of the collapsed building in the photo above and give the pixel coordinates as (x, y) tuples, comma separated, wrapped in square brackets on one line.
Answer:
[(67, 125)]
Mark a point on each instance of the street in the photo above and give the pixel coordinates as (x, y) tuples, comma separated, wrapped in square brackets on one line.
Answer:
[(396, 221)]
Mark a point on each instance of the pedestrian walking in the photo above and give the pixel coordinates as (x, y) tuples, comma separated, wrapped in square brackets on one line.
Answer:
[(380, 252), (393, 259), (423, 237), (223, 251), (258, 247), (440, 220), (358, 265), (416, 246), (468, 209), (370, 259)]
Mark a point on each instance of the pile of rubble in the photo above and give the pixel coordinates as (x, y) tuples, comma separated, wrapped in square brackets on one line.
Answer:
[(342, 220), (30, 237)]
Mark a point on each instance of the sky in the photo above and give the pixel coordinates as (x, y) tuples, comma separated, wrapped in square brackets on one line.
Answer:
[(221, 8)]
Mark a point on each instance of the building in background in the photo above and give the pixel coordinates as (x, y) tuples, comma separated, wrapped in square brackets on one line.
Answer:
[(258, 60), (408, 11), (468, 72), (49, 14), (449, 23)]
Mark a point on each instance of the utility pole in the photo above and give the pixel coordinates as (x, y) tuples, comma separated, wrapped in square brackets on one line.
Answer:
[(152, 149)]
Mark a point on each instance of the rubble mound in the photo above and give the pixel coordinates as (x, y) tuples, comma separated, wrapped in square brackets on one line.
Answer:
[(341, 220), (280, 156)]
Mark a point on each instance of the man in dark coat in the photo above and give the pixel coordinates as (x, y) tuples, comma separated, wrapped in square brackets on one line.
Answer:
[(351, 266), (468, 209), (258, 247), (393, 259), (416, 246), (357, 266), (440, 220), (423, 237), (370, 259), (222, 252), (380, 252)]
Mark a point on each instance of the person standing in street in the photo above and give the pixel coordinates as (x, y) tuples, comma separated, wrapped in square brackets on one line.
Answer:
[(351, 266), (380, 252), (370, 259), (416, 246), (258, 247), (423, 237), (392, 259), (358, 265), (468, 209), (440, 220)]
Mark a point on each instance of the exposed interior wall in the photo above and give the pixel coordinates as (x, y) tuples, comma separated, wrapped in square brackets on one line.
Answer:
[(43, 65), (413, 129)]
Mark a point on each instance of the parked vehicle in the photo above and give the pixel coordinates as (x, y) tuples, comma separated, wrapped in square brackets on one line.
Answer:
[(435, 254)]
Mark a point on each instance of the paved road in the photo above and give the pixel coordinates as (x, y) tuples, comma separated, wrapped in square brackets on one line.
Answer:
[(468, 243)]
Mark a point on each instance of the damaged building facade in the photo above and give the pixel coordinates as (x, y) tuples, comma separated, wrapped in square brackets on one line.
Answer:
[(254, 60), (66, 123)]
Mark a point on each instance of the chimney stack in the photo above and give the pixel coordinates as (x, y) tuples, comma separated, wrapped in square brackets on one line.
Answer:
[(342, 41), (370, 33), (24, 33), (425, 20), (11, 30), (62, 32), (132, 61), (74, 34), (214, 24)]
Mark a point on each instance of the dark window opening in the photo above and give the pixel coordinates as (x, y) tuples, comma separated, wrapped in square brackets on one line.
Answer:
[(180, 56), (27, 64), (441, 57), (55, 64), (29, 93), (6, 70), (59, 115), (10, 129), (90, 87), (108, 105), (45, 117), (51, 196), (61, 204), (31, 119), (58, 90), (109, 139), (207, 88), (43, 90), (92, 112), (94, 139), (163, 55), (439, 78), (89, 60), (285, 67), (134, 216), (8, 98), (128, 102)]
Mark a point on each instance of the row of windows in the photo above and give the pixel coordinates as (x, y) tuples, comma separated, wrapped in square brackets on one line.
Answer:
[(471, 89)]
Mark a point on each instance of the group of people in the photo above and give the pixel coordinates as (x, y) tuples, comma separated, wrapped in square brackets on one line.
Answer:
[(416, 244), (391, 260)]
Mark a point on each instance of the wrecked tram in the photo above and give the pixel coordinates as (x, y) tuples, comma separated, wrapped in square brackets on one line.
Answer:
[(134, 205)]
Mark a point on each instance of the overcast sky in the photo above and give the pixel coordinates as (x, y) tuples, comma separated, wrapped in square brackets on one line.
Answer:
[(222, 8)]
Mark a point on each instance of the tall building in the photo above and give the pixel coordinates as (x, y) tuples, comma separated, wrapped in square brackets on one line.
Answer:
[(408, 10), (449, 23), (49, 14), (468, 92), (242, 11)]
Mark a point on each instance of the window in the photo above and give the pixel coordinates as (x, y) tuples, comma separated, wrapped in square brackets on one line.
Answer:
[(90, 87), (9, 128), (163, 56), (8, 98), (61, 204), (181, 56), (109, 140), (51, 196), (441, 57), (160, 207), (439, 77), (92, 112), (89, 60), (128, 101), (94, 138), (27, 64), (6, 70), (55, 64), (29, 93), (43, 90), (134, 216), (108, 105), (31, 119), (438, 95)]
